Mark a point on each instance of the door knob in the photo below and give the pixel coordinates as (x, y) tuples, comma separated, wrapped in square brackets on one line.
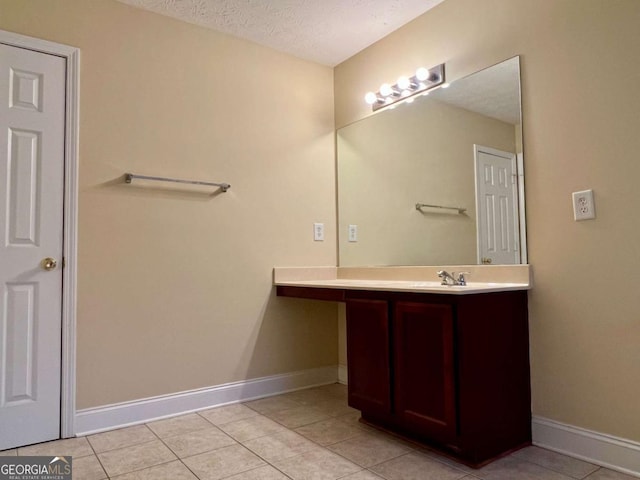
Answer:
[(49, 263)]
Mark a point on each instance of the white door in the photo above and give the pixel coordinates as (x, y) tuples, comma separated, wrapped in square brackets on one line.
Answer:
[(497, 206), (32, 119)]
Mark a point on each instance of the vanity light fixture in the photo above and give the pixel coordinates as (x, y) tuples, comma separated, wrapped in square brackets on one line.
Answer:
[(405, 88)]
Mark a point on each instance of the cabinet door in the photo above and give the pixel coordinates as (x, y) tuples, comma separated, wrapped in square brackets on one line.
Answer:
[(424, 391), (368, 355)]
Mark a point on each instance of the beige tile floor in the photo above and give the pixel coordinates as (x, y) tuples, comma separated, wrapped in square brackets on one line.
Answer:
[(309, 434)]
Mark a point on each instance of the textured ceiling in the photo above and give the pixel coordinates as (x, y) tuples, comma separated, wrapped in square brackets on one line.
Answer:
[(323, 31), (493, 92)]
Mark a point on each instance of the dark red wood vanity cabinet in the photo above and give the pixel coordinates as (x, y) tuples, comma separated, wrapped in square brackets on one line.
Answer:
[(449, 370)]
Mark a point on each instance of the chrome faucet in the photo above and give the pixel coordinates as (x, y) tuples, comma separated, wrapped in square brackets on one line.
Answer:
[(450, 278), (462, 281)]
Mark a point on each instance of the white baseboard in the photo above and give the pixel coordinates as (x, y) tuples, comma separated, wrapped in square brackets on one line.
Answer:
[(601, 449), (343, 376), (109, 417)]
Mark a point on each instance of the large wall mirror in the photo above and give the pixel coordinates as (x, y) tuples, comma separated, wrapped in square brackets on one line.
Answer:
[(458, 148)]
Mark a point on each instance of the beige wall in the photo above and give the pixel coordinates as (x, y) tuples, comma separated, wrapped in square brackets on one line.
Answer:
[(175, 287), (388, 162), (581, 104)]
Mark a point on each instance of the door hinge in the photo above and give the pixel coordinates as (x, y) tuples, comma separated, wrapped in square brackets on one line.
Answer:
[(64, 262)]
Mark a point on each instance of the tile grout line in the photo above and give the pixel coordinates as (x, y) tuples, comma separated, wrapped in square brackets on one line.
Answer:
[(564, 473), (361, 466), (134, 445), (264, 460), (289, 429), (237, 442), (180, 459), (140, 469), (596, 470), (98, 458)]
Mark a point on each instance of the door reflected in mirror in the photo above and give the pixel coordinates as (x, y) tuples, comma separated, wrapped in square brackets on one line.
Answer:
[(458, 148)]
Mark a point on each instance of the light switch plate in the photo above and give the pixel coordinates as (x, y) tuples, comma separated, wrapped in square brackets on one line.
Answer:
[(583, 205)]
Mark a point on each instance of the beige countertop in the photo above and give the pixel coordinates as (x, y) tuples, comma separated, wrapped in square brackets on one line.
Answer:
[(480, 279)]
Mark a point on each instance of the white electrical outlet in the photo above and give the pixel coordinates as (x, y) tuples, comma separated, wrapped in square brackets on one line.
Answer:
[(583, 206), (318, 232), (353, 233)]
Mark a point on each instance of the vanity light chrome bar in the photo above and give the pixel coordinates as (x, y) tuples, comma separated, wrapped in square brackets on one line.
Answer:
[(406, 88), (128, 177), (419, 206)]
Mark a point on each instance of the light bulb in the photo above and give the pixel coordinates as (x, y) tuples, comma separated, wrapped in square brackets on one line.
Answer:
[(371, 98), (422, 74), (386, 90), (403, 83)]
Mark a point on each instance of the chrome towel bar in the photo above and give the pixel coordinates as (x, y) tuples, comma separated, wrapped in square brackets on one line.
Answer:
[(419, 206), (128, 177)]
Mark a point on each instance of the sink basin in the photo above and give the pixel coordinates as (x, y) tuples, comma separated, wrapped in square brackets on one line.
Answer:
[(393, 284), (351, 281), (424, 284), (388, 283)]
